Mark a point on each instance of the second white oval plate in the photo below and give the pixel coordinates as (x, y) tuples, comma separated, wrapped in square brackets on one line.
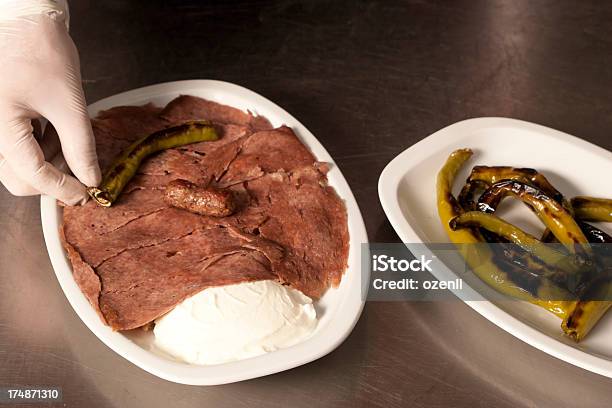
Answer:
[(339, 309), (407, 193)]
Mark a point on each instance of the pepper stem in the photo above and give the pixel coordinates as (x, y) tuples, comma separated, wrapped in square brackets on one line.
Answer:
[(100, 196)]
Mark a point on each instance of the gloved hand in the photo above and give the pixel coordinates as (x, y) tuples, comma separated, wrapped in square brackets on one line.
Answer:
[(40, 77)]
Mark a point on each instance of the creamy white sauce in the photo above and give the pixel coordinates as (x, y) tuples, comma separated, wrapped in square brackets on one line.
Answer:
[(235, 322)]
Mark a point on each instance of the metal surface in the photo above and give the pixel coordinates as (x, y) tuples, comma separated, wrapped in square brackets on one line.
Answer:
[(368, 79)]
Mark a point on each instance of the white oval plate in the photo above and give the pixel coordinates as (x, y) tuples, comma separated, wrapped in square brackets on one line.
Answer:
[(407, 193), (339, 309)]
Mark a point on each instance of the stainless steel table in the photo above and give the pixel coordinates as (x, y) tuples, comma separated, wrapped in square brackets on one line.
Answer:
[(369, 79)]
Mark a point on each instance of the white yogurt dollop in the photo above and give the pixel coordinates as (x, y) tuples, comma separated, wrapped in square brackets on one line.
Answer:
[(235, 322)]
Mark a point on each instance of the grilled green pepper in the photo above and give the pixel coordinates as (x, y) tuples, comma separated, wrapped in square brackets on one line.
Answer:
[(126, 164), (593, 234), (494, 174), (554, 216), (529, 243), (592, 209), (530, 273), (479, 257)]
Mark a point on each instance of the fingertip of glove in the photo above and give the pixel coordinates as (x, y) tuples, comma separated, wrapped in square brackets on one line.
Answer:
[(77, 200), (73, 192), (92, 176)]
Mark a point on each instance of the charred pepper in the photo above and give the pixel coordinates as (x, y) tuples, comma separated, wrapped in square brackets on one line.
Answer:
[(126, 164), (554, 216), (592, 209), (479, 258)]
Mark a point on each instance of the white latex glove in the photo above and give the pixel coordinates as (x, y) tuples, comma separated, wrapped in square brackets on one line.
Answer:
[(40, 77)]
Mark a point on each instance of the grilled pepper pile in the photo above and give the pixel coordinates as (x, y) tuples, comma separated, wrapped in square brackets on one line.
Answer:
[(567, 279)]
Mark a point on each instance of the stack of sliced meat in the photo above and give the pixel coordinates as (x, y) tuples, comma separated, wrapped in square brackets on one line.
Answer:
[(139, 258)]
